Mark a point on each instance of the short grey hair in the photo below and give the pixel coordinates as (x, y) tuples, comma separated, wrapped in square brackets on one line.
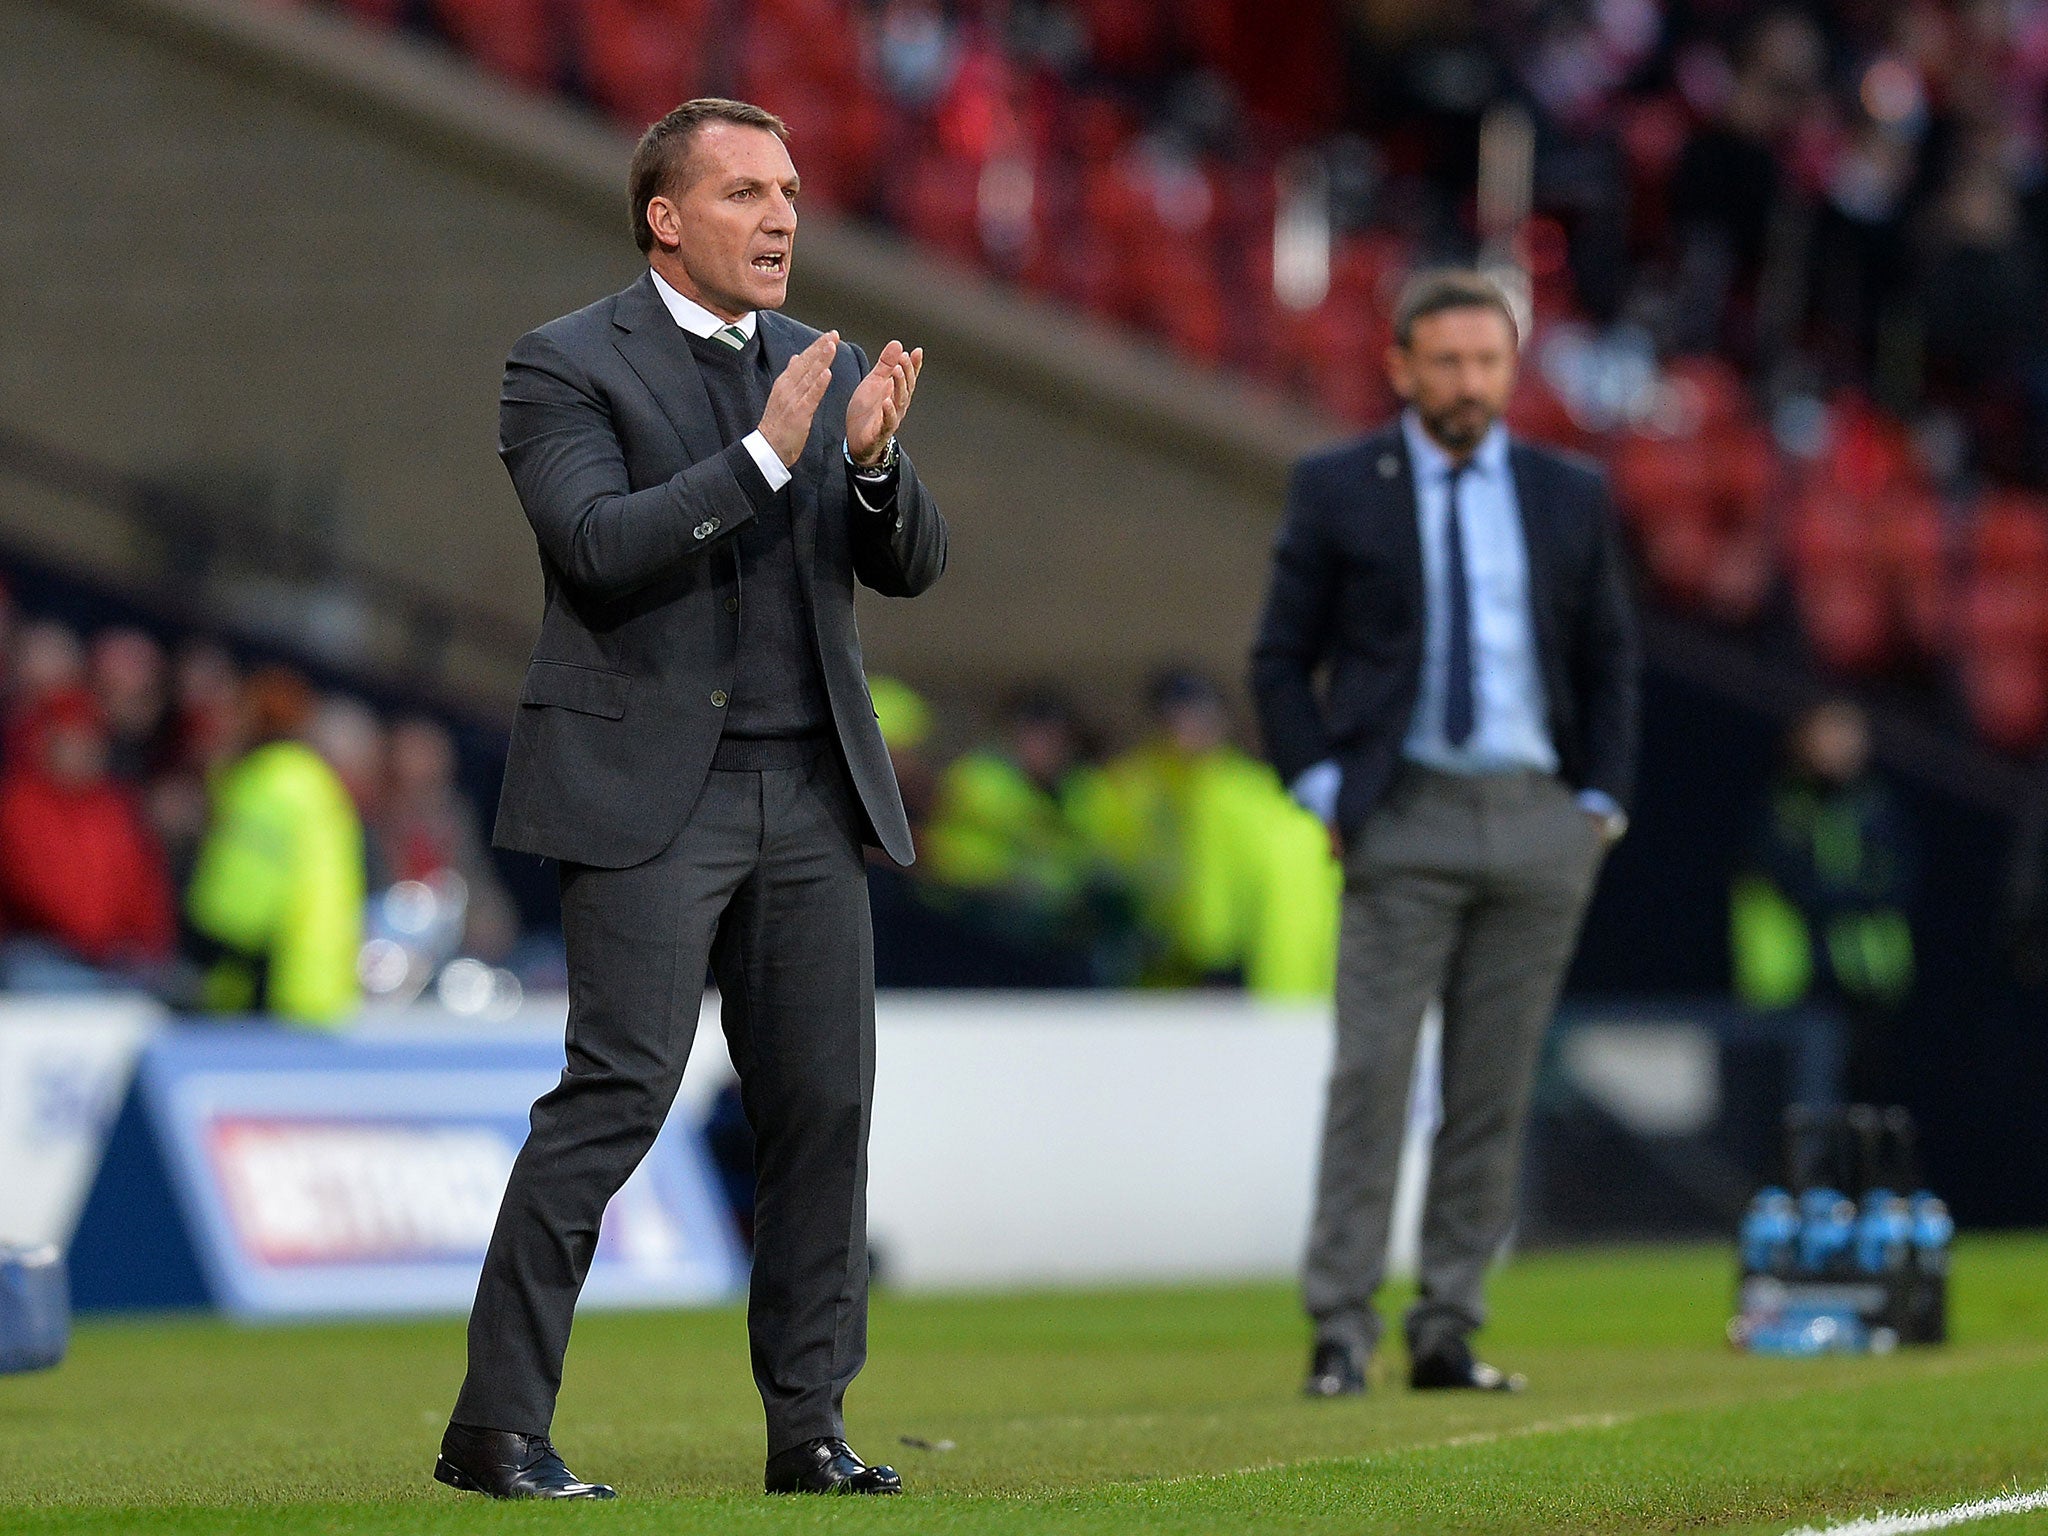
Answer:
[(1431, 293)]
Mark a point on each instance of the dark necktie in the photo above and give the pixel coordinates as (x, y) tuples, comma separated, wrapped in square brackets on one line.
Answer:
[(1458, 701)]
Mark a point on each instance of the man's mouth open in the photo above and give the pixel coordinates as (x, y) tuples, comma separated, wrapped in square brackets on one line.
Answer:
[(771, 263)]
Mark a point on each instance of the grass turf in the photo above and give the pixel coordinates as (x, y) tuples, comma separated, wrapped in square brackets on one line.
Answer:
[(1157, 1410)]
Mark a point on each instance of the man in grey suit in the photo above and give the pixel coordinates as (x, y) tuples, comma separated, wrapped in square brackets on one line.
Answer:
[(1471, 748), (696, 746)]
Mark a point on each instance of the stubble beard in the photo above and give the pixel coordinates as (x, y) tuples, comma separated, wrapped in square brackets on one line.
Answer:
[(1453, 426)]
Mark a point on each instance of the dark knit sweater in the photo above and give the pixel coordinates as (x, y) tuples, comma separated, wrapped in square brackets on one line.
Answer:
[(778, 689)]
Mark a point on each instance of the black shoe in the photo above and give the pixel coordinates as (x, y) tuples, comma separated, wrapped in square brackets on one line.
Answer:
[(827, 1466), (1452, 1367), (508, 1466), (1336, 1370)]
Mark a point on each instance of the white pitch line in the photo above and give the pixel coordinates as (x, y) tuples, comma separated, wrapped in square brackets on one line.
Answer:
[(1455, 1442), (1933, 1519)]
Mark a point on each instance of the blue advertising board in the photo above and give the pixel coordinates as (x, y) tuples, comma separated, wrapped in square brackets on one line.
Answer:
[(271, 1173)]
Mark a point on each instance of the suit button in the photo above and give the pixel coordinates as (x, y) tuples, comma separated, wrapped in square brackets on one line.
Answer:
[(705, 529), (718, 698), (732, 605)]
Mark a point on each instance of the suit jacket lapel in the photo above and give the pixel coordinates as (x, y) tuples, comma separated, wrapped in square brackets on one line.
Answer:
[(656, 349), (1404, 511), (1538, 549)]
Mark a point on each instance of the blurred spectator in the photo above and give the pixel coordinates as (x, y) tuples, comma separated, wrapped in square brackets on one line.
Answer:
[(916, 51), (351, 740), (921, 939), (1735, 186), (275, 907), (128, 673), (1007, 841), (426, 828), (48, 660), (84, 895), (1818, 923), (206, 702), (205, 707), (1982, 319), (1234, 881)]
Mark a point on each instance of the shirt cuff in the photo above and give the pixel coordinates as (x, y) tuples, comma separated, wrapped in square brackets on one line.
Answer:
[(1315, 790), (767, 460), (1613, 819)]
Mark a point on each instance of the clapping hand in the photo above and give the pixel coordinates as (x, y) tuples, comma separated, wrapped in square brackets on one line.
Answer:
[(793, 400), (881, 401)]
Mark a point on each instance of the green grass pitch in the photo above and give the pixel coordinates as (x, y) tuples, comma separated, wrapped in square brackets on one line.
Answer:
[(1160, 1410)]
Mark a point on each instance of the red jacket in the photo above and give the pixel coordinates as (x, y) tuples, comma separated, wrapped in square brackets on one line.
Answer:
[(81, 867)]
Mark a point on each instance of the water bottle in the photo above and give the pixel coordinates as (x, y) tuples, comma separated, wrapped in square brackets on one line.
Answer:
[(1805, 1331), (35, 1308), (1827, 1228), (1884, 1233), (1933, 1231), (1770, 1233)]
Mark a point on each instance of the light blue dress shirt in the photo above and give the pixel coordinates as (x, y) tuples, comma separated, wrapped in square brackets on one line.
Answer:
[(1511, 731)]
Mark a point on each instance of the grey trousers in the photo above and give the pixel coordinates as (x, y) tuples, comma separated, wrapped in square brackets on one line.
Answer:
[(1470, 890), (766, 883)]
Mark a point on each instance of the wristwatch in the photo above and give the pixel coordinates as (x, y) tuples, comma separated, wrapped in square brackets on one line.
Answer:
[(880, 470)]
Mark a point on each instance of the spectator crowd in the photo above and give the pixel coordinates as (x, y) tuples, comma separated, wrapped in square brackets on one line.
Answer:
[(173, 821), (234, 840)]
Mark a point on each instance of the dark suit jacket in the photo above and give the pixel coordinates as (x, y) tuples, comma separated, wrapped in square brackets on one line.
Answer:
[(607, 430), (1347, 596)]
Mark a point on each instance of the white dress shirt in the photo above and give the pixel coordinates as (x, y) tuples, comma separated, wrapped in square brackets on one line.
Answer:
[(1510, 729)]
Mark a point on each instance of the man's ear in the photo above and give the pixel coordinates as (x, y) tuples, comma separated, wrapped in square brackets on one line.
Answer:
[(1398, 373), (665, 219)]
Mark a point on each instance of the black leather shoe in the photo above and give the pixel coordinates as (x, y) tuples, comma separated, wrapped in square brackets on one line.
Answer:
[(1335, 1370), (827, 1466), (508, 1466), (1452, 1367)]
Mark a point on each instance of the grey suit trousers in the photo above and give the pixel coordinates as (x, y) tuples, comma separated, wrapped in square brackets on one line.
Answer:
[(765, 882), (1471, 890)]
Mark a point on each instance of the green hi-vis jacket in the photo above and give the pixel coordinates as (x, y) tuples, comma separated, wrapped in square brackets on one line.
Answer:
[(279, 886)]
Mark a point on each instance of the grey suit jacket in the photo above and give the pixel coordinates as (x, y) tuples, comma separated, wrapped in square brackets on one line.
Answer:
[(606, 428)]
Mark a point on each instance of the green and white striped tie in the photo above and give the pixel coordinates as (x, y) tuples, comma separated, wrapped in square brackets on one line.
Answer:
[(732, 336)]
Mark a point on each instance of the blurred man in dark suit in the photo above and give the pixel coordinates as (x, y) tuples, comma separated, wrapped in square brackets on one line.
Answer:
[(1470, 745), (695, 744)]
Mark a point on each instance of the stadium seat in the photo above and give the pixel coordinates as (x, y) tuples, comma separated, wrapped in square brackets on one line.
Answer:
[(1911, 546), (2007, 695), (517, 39), (2010, 533), (639, 58), (1846, 622)]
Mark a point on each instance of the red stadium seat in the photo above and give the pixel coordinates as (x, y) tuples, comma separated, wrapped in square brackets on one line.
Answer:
[(2011, 534), (639, 58), (1911, 546), (1846, 621), (937, 202), (514, 38), (2007, 694)]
